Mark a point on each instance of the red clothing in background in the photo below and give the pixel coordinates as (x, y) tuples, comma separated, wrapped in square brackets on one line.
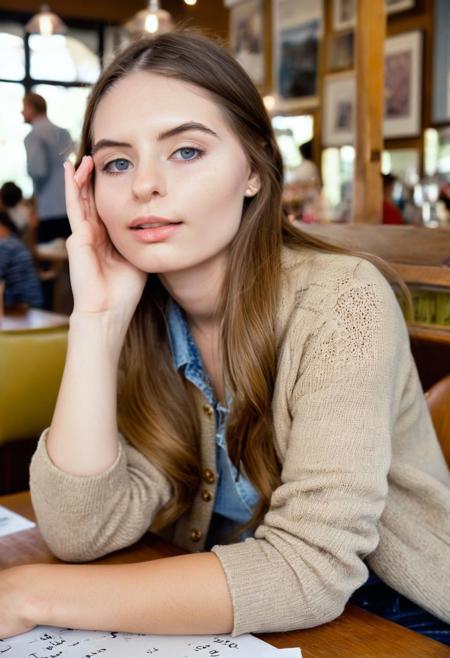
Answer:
[(391, 214)]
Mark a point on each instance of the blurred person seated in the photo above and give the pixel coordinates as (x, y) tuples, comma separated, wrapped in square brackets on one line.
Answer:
[(21, 285), (20, 210), (302, 195), (391, 213), (307, 172)]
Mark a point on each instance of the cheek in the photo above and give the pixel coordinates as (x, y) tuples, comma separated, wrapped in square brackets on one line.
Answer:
[(106, 204), (219, 188)]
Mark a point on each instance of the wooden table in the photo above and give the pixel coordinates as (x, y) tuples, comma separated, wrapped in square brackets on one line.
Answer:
[(356, 634), (31, 319)]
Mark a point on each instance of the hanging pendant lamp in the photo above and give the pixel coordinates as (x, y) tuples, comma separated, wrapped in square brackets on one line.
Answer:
[(45, 23), (152, 20)]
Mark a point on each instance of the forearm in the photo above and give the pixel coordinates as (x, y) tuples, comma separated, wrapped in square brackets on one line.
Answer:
[(83, 434), (179, 595)]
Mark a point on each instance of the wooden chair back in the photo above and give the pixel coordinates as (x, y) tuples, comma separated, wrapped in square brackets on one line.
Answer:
[(438, 398)]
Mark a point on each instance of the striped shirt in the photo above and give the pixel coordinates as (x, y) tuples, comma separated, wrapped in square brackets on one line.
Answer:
[(22, 285)]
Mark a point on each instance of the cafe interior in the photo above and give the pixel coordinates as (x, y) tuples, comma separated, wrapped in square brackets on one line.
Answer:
[(359, 98)]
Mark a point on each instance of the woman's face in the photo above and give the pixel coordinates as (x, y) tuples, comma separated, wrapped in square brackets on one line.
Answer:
[(170, 175)]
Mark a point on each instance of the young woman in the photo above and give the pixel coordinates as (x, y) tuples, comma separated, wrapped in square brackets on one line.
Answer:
[(271, 419)]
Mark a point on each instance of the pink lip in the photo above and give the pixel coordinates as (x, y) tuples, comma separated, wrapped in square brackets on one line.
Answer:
[(157, 234), (149, 219)]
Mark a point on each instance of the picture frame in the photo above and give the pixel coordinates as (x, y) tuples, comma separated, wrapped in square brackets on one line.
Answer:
[(402, 85), (341, 51), (339, 96), (297, 30), (441, 63), (247, 37), (395, 6), (344, 14), (344, 11)]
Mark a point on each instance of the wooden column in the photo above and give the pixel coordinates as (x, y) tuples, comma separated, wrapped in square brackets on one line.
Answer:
[(369, 66)]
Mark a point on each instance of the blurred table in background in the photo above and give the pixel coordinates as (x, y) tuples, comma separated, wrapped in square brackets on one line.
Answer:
[(31, 319), (53, 264)]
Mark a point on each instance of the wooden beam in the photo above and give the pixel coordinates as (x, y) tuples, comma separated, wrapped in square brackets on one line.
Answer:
[(369, 108)]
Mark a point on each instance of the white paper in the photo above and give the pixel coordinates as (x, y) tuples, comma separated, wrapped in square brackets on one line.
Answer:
[(49, 642), (11, 522)]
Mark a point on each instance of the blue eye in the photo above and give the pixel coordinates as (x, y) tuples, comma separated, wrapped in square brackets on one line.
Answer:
[(189, 153), (116, 166)]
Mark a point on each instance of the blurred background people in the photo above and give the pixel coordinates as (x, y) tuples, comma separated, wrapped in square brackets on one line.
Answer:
[(21, 285), (47, 147), (307, 173), (20, 210), (391, 212), (302, 195)]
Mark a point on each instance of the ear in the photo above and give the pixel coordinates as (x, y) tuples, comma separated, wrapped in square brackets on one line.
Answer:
[(253, 185)]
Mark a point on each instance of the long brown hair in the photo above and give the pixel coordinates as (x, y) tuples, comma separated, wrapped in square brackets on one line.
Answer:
[(156, 406)]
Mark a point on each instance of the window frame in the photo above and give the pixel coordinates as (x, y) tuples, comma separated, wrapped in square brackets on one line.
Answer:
[(28, 81)]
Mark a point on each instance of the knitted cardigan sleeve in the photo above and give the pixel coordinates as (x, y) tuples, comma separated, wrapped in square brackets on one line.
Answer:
[(338, 389), (83, 518)]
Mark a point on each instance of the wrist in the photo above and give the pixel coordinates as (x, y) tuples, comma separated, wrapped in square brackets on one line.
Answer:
[(26, 594), (106, 328)]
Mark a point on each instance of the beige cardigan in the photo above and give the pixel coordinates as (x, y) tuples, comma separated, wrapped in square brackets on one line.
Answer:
[(363, 476)]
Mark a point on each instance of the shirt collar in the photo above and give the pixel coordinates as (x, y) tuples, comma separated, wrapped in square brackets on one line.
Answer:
[(180, 336)]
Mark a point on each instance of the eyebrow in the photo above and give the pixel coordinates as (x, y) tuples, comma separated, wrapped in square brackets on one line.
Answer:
[(184, 127)]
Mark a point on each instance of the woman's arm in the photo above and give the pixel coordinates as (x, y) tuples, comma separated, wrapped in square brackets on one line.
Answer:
[(93, 493), (178, 595), (83, 435)]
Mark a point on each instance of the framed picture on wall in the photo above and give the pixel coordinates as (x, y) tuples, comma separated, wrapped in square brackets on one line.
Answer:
[(246, 37), (297, 29), (344, 11), (402, 85), (338, 127), (341, 51), (441, 62), (344, 14), (394, 6)]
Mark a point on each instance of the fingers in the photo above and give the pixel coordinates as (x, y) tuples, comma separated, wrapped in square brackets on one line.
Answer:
[(84, 170), (83, 178), (79, 194), (75, 211)]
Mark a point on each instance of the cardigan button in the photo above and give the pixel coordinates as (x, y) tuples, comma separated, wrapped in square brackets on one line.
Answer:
[(196, 534), (208, 410), (209, 476), (206, 495)]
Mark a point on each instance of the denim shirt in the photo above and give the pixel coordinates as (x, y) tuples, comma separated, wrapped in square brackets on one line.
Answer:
[(235, 497)]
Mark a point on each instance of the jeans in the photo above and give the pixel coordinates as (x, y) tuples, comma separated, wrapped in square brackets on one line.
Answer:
[(376, 597)]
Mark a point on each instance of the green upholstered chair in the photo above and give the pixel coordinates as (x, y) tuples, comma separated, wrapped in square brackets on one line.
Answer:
[(31, 366)]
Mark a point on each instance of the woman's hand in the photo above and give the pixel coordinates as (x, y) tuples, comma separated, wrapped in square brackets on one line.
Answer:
[(102, 280), (14, 602)]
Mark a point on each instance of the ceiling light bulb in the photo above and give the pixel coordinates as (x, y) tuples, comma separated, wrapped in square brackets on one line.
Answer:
[(45, 25), (190, 2), (151, 23)]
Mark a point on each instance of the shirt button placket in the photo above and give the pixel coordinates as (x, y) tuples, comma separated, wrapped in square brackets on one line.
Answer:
[(196, 534), (208, 410), (209, 476), (206, 495)]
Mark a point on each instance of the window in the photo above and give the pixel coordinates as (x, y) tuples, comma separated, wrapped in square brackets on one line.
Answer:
[(62, 68)]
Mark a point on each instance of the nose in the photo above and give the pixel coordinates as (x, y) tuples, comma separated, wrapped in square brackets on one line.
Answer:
[(149, 181)]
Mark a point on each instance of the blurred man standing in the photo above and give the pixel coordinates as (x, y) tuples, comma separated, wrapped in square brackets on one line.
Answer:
[(47, 147)]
